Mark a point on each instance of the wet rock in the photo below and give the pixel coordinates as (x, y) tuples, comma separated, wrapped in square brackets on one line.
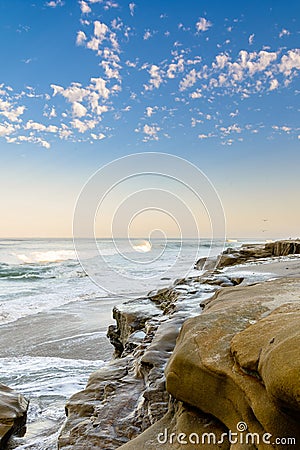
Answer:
[(130, 316), (13, 413), (164, 298), (284, 248), (100, 416), (248, 253)]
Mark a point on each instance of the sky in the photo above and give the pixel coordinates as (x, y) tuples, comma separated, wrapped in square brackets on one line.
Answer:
[(85, 82)]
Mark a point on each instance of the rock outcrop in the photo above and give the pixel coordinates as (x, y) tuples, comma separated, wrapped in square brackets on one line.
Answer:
[(249, 253), (127, 396), (238, 360), (13, 413)]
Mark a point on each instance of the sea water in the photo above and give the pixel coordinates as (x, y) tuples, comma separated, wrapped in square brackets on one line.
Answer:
[(53, 317)]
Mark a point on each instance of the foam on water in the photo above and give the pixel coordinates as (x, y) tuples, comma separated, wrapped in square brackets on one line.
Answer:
[(48, 383)]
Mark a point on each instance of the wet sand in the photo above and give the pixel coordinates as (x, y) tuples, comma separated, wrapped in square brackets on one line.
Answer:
[(76, 330)]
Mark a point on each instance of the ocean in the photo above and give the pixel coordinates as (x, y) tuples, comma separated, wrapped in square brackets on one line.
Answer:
[(55, 310)]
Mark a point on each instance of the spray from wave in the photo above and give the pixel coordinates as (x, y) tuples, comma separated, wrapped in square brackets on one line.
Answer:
[(143, 247), (50, 256)]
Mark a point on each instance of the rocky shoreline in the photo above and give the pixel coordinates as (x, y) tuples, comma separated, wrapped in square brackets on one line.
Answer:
[(236, 362), (197, 359)]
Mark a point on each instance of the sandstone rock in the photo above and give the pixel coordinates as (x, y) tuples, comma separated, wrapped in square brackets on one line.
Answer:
[(207, 263), (203, 372), (13, 413), (130, 316), (101, 415), (271, 349), (249, 252), (180, 428), (284, 248)]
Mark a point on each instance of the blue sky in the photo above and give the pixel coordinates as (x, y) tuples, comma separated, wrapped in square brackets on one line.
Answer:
[(84, 82)]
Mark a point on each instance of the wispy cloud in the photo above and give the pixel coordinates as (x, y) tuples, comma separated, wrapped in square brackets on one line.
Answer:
[(284, 32), (132, 7)]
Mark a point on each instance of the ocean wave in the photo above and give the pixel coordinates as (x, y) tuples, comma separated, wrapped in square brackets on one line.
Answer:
[(50, 256), (36, 272)]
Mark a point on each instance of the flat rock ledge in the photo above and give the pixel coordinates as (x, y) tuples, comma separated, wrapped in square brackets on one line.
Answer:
[(13, 414), (192, 362), (249, 253)]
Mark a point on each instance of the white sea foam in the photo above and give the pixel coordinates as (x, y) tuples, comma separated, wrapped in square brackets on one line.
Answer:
[(46, 257)]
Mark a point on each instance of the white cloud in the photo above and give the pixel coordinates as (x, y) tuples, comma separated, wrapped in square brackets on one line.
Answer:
[(6, 129), (81, 38), (156, 77), (100, 30), (196, 94), (234, 114), (52, 128), (221, 60), (256, 62), (150, 111), (251, 38), (93, 44), (110, 4), (231, 128), (132, 8), (188, 81), (78, 110), (55, 3), (82, 127), (290, 61), (34, 140), (273, 84), (284, 32), (147, 35), (64, 131), (85, 9), (100, 86), (10, 112), (50, 114), (151, 132), (74, 93), (203, 24), (175, 67), (98, 136), (31, 125)]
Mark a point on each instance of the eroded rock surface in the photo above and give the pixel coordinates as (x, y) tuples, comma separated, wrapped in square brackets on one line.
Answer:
[(249, 253), (128, 395), (238, 360), (13, 413)]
